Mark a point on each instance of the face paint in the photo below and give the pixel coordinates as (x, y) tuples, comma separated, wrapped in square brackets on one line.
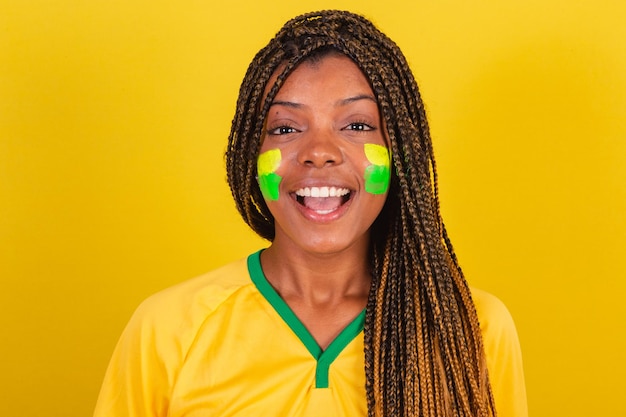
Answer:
[(377, 175), (269, 181)]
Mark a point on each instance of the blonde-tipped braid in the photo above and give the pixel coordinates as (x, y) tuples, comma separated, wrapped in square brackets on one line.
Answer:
[(423, 347)]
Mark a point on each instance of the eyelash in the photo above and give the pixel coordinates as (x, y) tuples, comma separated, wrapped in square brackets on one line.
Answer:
[(287, 129), (281, 130), (363, 127)]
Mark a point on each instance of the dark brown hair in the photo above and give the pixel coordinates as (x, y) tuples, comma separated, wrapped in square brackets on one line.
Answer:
[(423, 347)]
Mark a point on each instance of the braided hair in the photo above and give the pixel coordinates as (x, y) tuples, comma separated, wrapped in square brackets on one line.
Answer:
[(423, 347)]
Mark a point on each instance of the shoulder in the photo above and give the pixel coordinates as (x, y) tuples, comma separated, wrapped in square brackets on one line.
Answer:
[(156, 340), (494, 317), (503, 354), (195, 297), (165, 324), (497, 327)]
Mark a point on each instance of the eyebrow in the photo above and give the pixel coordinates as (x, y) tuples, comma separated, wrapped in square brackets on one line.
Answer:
[(286, 104), (342, 102), (350, 100)]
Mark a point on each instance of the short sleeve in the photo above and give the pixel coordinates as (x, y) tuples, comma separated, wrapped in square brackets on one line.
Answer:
[(138, 379), (503, 353), (146, 363)]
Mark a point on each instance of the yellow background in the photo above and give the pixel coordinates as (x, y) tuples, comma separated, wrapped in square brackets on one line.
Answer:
[(113, 122)]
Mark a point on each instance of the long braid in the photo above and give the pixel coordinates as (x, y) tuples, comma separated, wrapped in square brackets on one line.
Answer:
[(423, 347)]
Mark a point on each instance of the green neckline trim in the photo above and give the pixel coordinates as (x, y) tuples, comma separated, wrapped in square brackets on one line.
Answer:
[(324, 358)]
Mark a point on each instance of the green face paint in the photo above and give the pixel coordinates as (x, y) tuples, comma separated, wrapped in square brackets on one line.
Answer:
[(377, 175), (269, 181)]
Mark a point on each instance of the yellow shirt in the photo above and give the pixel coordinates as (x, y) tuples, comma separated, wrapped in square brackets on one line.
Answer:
[(225, 344)]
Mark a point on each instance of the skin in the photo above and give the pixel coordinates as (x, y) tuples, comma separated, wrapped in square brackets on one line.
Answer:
[(320, 121)]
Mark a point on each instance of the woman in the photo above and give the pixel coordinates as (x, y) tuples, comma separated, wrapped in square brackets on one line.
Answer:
[(358, 306)]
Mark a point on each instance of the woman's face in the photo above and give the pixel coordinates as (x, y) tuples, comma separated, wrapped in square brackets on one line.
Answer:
[(324, 166)]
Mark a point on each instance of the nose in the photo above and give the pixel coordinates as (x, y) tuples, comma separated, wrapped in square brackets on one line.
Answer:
[(320, 149)]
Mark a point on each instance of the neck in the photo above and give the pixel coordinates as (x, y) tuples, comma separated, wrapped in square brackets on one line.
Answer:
[(317, 278)]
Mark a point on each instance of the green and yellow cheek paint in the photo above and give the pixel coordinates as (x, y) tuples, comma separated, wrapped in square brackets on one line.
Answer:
[(266, 166), (377, 175)]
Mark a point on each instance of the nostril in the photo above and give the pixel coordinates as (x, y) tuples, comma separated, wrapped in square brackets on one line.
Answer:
[(320, 153), (320, 163)]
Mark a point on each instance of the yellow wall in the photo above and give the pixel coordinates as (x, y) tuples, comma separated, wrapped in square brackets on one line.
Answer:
[(113, 122)]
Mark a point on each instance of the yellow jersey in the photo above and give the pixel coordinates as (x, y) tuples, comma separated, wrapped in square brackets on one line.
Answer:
[(225, 344)]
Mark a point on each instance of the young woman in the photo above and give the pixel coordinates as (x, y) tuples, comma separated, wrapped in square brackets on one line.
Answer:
[(358, 306)]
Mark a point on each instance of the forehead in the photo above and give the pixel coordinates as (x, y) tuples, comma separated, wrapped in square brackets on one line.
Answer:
[(331, 74)]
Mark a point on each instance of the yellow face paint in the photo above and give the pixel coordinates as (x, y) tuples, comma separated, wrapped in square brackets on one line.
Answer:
[(267, 164), (377, 175)]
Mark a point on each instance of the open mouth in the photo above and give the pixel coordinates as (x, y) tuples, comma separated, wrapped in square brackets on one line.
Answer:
[(323, 200)]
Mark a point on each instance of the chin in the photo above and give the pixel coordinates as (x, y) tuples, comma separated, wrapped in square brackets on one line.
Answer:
[(333, 246)]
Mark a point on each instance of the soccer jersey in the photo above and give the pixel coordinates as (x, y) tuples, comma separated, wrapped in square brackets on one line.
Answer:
[(225, 344)]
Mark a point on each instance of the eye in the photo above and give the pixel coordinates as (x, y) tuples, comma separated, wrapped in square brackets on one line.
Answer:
[(281, 130), (359, 127)]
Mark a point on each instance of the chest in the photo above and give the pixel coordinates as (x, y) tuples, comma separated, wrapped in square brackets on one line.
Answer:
[(249, 360)]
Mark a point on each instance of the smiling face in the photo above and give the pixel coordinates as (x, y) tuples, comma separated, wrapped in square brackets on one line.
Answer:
[(324, 166)]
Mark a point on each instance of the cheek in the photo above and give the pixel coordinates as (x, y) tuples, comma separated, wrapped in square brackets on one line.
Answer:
[(269, 181), (377, 175)]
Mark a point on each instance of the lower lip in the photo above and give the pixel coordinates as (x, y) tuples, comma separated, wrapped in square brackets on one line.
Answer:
[(323, 216)]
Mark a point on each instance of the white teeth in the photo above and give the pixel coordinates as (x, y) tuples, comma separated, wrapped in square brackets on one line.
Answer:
[(322, 192)]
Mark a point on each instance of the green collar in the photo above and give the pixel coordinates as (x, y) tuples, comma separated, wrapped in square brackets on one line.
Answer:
[(324, 357)]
